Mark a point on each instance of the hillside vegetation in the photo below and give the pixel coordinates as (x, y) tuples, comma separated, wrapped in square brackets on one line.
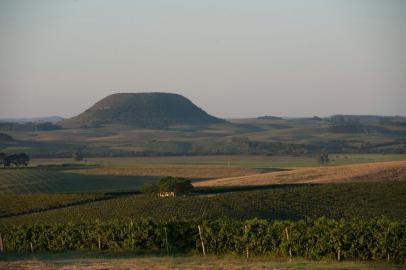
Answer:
[(152, 110)]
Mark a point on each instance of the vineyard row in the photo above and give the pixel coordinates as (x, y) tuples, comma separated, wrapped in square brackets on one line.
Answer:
[(377, 239)]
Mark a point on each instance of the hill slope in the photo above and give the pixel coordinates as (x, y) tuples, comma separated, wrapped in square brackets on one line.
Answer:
[(380, 171), (150, 110)]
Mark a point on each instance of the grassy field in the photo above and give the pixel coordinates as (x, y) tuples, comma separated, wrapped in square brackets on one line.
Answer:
[(352, 200), (379, 171), (233, 161)]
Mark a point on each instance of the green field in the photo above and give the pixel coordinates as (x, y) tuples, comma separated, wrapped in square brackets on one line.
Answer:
[(33, 180), (27, 203), (58, 191), (355, 200), (225, 161), (55, 183), (119, 174)]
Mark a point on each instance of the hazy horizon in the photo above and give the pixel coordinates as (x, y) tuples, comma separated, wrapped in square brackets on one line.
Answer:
[(234, 59)]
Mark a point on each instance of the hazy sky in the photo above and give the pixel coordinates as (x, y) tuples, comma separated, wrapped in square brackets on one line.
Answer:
[(232, 58)]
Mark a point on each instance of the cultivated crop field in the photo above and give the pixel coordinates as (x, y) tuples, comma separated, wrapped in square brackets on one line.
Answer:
[(53, 192), (225, 161), (291, 202), (27, 203), (33, 180), (108, 174)]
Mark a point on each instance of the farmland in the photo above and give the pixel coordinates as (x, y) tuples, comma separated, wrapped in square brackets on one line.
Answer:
[(202, 135), (271, 136), (351, 200), (381, 171), (128, 174), (33, 180), (27, 203), (57, 191), (320, 238)]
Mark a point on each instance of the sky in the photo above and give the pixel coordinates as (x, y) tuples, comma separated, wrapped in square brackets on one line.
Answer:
[(234, 59)]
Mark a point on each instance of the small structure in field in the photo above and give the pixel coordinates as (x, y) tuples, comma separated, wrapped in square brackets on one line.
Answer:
[(167, 194)]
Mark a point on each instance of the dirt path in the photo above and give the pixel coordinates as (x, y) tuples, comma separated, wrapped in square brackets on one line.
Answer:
[(188, 263)]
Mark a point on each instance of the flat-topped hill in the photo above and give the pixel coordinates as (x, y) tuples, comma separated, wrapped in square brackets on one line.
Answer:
[(149, 110)]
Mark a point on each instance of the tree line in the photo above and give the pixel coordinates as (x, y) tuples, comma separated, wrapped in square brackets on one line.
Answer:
[(17, 160), (30, 126)]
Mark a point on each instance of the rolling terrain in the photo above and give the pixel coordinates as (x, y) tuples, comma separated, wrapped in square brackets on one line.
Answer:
[(129, 174), (105, 188), (381, 171), (111, 128), (278, 202)]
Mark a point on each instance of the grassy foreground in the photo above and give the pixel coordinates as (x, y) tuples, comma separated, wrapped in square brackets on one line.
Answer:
[(90, 261)]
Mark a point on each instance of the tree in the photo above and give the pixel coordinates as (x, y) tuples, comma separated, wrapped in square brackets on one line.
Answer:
[(175, 184), (2, 159), (150, 188), (322, 157), (168, 184), (77, 156), (21, 159)]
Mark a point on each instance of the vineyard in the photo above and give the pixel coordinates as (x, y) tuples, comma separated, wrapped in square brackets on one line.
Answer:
[(289, 202), (376, 239), (28, 203), (33, 180)]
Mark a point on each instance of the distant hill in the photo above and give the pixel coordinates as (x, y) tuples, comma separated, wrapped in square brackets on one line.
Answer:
[(342, 119), (46, 119), (148, 110), (270, 117)]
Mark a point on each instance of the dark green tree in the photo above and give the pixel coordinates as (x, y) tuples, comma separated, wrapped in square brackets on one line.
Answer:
[(2, 159), (150, 188), (21, 159), (175, 184), (77, 156), (322, 157)]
